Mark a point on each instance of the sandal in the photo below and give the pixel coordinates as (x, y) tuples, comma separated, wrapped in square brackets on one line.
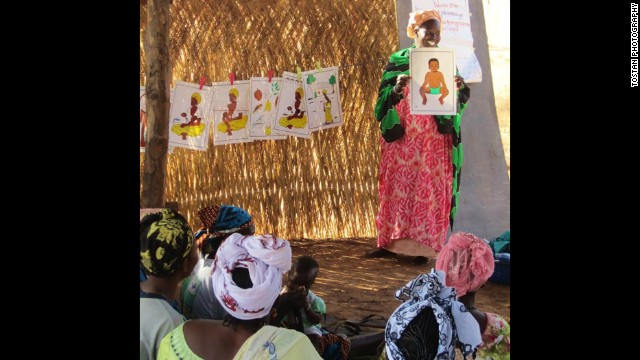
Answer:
[(348, 328), (372, 320)]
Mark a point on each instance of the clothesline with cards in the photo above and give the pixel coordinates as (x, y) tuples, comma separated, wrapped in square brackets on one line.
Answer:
[(261, 108)]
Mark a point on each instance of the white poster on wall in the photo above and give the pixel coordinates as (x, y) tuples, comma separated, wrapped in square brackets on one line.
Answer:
[(456, 33)]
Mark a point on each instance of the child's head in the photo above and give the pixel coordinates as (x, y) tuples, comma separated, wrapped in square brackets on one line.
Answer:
[(434, 64), (303, 272)]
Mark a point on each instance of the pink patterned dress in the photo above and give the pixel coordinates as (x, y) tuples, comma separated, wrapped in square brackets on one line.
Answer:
[(415, 182)]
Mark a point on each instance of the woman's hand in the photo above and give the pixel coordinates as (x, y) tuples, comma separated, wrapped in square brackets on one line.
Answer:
[(459, 80), (401, 82)]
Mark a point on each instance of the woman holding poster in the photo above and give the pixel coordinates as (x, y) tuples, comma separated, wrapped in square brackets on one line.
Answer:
[(420, 158)]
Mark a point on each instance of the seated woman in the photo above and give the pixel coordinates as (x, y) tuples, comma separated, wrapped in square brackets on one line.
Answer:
[(218, 223), (167, 255), (468, 262), (247, 277), (430, 322)]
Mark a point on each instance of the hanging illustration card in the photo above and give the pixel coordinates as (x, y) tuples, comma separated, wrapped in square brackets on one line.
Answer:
[(188, 121), (264, 100), (322, 94), (230, 111), (291, 115)]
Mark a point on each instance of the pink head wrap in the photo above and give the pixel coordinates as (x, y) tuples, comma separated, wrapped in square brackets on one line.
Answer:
[(468, 262), (420, 17)]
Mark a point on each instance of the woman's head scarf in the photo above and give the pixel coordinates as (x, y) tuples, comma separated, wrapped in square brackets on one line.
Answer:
[(420, 17), (165, 242), (224, 219), (455, 324), (468, 262), (266, 258)]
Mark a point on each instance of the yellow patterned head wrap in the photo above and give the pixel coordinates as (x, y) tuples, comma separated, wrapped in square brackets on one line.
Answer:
[(420, 17), (165, 242)]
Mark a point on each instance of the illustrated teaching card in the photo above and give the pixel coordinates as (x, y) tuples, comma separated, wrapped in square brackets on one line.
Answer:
[(230, 110), (143, 118), (189, 120), (291, 116), (433, 87), (264, 100), (322, 91)]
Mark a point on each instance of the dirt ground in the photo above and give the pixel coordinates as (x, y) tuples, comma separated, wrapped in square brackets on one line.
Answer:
[(354, 287)]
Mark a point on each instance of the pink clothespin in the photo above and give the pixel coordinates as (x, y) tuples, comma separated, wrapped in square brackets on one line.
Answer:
[(232, 77), (202, 79), (270, 74)]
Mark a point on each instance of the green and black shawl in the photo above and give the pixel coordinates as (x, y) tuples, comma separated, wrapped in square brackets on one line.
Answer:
[(392, 130)]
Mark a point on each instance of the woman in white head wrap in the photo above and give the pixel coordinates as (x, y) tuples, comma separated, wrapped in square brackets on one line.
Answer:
[(247, 278)]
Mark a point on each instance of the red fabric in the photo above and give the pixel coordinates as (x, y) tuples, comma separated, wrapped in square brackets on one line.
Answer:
[(415, 182)]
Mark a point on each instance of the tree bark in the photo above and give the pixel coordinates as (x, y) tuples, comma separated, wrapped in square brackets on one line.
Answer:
[(158, 73)]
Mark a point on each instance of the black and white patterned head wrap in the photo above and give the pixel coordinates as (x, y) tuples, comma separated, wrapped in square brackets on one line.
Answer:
[(455, 323)]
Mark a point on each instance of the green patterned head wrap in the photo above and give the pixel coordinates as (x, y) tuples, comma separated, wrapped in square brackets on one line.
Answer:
[(165, 242)]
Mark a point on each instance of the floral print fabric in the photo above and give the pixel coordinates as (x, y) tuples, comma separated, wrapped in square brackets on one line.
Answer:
[(415, 182), (496, 342)]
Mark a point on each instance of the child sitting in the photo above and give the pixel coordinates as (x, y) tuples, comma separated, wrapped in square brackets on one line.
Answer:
[(306, 317)]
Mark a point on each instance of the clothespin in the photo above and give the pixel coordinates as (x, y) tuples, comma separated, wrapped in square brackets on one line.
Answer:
[(232, 77), (299, 72), (270, 72), (202, 79), (318, 67)]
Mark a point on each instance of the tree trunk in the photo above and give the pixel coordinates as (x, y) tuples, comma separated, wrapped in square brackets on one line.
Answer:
[(158, 73)]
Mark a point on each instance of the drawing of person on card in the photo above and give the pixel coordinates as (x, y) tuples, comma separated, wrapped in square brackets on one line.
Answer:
[(229, 122), (434, 83)]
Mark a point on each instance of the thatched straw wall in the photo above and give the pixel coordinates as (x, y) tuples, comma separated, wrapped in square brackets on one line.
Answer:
[(324, 187)]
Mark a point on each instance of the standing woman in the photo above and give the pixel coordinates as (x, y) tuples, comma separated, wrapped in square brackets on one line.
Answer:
[(420, 157)]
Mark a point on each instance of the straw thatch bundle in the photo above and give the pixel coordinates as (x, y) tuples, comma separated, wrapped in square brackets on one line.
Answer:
[(324, 187)]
